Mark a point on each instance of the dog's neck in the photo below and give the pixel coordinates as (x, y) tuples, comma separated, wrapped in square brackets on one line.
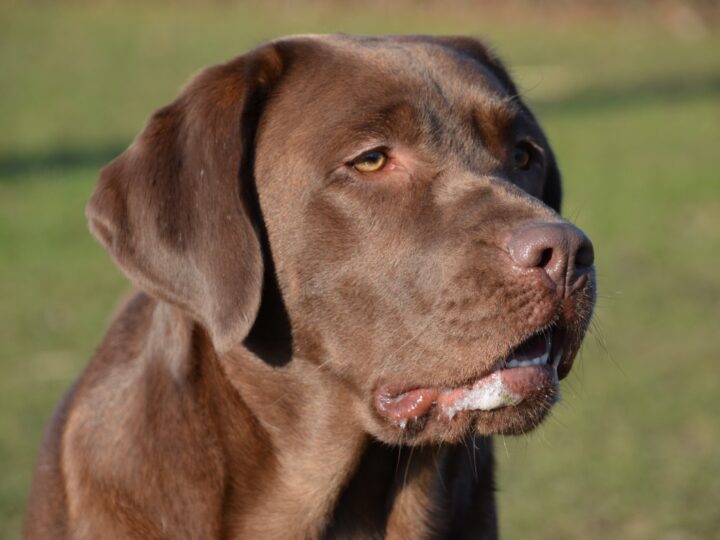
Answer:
[(305, 430), (325, 477)]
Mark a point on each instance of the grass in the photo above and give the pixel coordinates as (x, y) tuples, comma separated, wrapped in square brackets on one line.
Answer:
[(632, 452)]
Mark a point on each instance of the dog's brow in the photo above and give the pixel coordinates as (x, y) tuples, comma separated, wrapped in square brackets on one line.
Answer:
[(398, 121)]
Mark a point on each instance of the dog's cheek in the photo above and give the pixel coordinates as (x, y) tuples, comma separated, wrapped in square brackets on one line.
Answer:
[(309, 344), (339, 328)]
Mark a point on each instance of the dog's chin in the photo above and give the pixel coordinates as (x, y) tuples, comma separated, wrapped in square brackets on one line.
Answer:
[(511, 397)]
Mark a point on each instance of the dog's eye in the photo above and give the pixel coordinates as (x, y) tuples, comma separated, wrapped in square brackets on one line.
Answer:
[(369, 162), (523, 156)]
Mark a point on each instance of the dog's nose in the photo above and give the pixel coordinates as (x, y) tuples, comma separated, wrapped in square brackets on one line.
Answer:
[(561, 250)]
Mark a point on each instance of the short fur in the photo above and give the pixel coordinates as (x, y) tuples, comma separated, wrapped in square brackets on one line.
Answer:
[(232, 396)]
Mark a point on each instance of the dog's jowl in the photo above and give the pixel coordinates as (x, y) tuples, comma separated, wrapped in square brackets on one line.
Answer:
[(350, 268)]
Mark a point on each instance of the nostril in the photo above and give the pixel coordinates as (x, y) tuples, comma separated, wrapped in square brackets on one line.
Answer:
[(585, 255), (545, 257)]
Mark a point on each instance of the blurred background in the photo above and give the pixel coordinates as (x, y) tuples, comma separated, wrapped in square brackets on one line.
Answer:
[(629, 93)]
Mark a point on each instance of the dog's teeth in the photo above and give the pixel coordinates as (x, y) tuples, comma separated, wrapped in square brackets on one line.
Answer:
[(537, 361), (541, 360)]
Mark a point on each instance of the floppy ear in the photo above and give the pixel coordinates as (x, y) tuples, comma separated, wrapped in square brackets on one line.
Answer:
[(173, 210)]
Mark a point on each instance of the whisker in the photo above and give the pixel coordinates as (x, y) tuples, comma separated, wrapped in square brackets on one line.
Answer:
[(430, 319), (399, 454), (407, 466), (476, 473), (436, 457), (507, 452)]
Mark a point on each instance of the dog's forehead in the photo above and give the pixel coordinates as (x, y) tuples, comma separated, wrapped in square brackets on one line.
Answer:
[(421, 67), (341, 89)]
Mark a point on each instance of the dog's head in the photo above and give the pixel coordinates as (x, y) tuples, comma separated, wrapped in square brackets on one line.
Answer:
[(408, 204)]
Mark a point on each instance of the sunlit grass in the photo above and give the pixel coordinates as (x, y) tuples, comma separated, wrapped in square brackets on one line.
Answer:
[(631, 452)]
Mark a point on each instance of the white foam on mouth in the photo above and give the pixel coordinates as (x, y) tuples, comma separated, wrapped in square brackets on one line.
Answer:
[(486, 397)]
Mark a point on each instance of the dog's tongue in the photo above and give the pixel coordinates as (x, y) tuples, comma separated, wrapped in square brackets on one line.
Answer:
[(503, 388), (407, 405)]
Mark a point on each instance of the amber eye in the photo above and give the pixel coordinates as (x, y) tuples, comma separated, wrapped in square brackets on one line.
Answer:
[(369, 162), (523, 156)]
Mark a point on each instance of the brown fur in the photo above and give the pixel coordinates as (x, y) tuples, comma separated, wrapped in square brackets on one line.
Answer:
[(233, 396)]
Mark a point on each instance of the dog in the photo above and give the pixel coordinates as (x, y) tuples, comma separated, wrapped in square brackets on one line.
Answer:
[(351, 272)]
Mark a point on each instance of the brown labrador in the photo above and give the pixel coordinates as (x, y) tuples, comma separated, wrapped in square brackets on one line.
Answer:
[(352, 272)]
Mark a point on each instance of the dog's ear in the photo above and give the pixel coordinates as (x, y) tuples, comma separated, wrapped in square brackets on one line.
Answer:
[(174, 209)]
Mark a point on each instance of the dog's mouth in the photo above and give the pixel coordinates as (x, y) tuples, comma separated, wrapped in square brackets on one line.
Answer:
[(528, 370)]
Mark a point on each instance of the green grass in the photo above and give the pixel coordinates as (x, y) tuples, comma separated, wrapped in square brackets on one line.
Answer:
[(632, 452)]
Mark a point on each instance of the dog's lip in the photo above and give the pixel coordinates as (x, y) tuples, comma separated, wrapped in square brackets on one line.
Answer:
[(527, 369)]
